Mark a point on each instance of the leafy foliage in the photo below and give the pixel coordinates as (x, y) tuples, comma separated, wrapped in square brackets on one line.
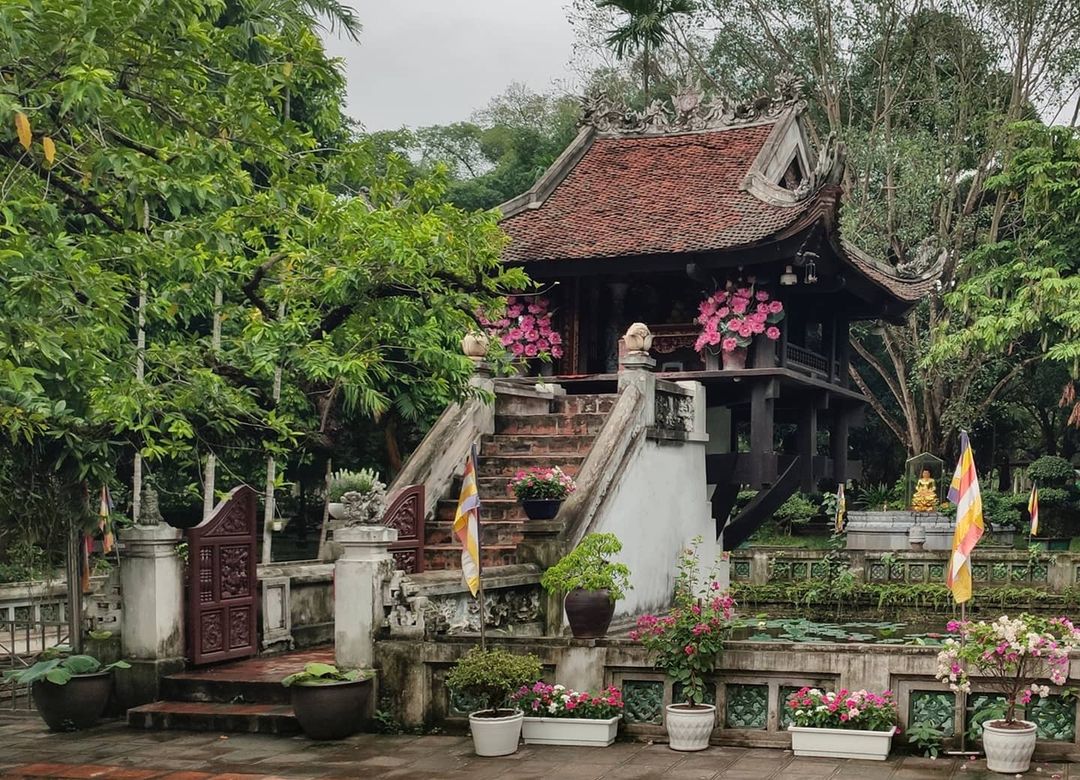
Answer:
[(588, 567), (58, 667), (1052, 471), (843, 709), (926, 737), (345, 481), (325, 674), (492, 675)]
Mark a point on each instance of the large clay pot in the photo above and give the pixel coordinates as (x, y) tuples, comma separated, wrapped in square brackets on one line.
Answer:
[(734, 360), (1008, 750), (589, 612), (332, 710), (497, 735), (541, 509), (689, 728), (76, 705)]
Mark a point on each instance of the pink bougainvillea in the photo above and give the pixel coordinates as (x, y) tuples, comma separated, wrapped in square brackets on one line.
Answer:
[(525, 328), (730, 318)]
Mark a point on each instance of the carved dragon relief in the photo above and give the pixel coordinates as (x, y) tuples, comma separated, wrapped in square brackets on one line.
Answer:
[(690, 111)]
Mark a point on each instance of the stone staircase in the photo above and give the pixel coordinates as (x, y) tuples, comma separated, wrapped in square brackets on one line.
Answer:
[(559, 432), (239, 697)]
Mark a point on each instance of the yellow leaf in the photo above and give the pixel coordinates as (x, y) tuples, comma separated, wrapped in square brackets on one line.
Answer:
[(50, 149), (286, 68), (22, 127)]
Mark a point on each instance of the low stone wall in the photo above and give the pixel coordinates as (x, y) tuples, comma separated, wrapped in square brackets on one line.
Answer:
[(1055, 572), (311, 599), (749, 687)]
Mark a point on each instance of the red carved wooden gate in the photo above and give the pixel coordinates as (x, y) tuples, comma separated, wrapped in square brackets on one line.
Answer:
[(406, 514), (222, 585)]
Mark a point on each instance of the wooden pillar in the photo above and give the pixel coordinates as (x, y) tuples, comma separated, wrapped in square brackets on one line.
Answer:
[(838, 443), (831, 346), (762, 397), (615, 326), (571, 360), (782, 346), (807, 442), (843, 343)]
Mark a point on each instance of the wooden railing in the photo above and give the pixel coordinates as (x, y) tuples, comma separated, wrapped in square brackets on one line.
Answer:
[(800, 357)]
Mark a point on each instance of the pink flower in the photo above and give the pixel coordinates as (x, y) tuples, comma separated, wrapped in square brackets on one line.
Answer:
[(556, 352), (733, 325), (689, 650), (729, 344), (757, 327), (738, 305), (531, 350), (542, 345), (772, 333), (554, 338), (517, 349), (534, 309), (761, 308), (775, 307), (723, 311), (761, 295), (528, 322), (531, 335)]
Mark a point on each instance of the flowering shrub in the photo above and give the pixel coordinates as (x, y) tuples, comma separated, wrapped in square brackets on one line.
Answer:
[(731, 318), (525, 329), (541, 700), (539, 484), (843, 709), (1011, 653), (688, 641)]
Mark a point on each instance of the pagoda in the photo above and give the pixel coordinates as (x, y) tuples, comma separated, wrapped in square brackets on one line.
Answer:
[(648, 213)]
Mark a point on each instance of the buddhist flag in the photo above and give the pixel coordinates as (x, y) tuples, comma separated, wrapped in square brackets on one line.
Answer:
[(841, 508), (105, 509), (1033, 509), (964, 492), (467, 525)]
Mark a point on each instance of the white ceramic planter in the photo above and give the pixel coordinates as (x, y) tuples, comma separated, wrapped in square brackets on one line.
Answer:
[(1009, 750), (336, 509), (841, 743), (585, 732), (689, 729), (495, 736)]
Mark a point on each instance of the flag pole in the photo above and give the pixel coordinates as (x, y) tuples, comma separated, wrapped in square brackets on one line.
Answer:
[(479, 561)]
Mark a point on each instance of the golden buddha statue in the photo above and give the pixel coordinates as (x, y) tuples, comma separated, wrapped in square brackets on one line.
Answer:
[(925, 498)]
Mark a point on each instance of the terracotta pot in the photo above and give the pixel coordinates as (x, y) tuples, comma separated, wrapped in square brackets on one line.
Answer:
[(331, 710), (589, 612), (76, 705), (1008, 750), (689, 728), (498, 735), (734, 360), (540, 508)]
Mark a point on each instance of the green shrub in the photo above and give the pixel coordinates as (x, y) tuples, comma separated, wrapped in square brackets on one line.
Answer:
[(490, 676), (1002, 511), (344, 481), (797, 509), (588, 567), (58, 667), (325, 674), (1051, 471)]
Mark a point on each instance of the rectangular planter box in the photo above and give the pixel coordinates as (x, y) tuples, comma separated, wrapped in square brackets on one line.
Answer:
[(840, 743), (570, 731)]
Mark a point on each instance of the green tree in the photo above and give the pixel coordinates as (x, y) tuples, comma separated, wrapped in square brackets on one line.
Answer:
[(145, 149), (645, 25)]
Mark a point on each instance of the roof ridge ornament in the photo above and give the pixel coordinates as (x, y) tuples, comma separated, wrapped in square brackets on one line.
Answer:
[(690, 111)]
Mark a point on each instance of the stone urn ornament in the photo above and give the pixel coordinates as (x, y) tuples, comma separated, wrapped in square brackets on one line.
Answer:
[(638, 339), (475, 345), (363, 508)]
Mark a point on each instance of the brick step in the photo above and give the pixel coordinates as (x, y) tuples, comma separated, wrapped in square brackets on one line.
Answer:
[(491, 532), (215, 716), (599, 403), (448, 556), (508, 465), (549, 424), (545, 444), (492, 509), (192, 688)]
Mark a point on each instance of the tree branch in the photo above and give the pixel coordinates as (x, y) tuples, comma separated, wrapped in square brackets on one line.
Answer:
[(878, 407), (251, 287)]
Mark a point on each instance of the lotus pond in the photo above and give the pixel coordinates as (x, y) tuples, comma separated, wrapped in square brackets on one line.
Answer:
[(762, 628)]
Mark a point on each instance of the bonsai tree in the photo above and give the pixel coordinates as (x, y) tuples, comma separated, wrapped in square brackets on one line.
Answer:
[(490, 676), (325, 674), (588, 567)]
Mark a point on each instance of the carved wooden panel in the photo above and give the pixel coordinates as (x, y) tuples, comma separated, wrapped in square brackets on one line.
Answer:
[(222, 583), (406, 514)]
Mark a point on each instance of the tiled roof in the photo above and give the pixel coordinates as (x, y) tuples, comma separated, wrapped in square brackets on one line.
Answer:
[(905, 288), (651, 195)]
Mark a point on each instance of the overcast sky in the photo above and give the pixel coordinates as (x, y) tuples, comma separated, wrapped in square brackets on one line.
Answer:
[(424, 62)]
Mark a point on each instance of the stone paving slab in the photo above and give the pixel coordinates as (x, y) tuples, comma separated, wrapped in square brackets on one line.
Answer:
[(113, 751)]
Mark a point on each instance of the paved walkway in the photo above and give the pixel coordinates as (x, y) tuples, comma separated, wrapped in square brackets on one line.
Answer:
[(28, 750)]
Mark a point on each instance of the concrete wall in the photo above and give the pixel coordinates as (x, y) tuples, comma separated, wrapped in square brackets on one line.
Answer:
[(311, 599), (657, 506)]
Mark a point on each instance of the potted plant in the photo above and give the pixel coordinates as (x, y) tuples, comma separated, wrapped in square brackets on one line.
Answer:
[(364, 482), (541, 491), (842, 724), (591, 582), (69, 691), (555, 715), (686, 644), (489, 677), (1008, 655), (327, 702), (731, 318)]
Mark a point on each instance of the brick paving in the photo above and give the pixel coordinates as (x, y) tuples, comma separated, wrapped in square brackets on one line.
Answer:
[(28, 750)]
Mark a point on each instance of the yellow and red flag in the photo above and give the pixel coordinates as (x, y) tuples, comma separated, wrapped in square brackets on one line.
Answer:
[(105, 509), (964, 492), (1033, 509), (467, 525)]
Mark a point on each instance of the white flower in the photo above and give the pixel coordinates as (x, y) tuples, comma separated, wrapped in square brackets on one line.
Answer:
[(553, 708)]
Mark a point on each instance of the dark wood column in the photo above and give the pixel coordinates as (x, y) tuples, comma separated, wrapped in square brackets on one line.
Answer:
[(807, 443), (838, 443), (843, 350), (762, 397)]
